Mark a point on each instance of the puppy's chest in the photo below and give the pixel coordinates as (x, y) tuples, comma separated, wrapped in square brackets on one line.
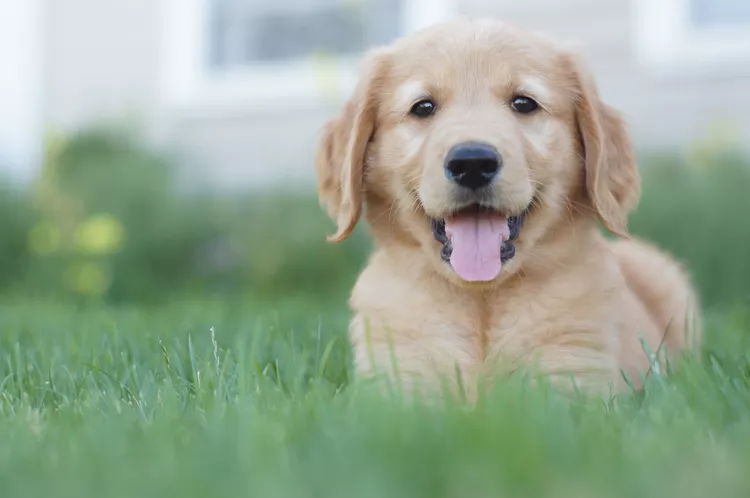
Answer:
[(472, 330), (505, 329)]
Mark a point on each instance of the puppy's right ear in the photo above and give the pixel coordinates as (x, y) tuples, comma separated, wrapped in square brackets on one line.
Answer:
[(341, 154)]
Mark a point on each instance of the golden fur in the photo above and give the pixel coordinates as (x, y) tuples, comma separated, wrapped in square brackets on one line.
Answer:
[(571, 303)]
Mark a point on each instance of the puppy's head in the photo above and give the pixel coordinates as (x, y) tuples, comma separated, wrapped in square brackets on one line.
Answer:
[(473, 140)]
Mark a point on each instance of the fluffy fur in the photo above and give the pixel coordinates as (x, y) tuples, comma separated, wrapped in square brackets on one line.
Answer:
[(571, 304)]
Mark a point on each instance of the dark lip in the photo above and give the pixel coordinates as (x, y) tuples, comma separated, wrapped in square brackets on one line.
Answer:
[(508, 249)]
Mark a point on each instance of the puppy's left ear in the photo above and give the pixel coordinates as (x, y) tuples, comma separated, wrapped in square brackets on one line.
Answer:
[(342, 149), (613, 182)]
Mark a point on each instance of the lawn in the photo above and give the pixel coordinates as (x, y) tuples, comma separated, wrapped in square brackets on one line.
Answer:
[(197, 400)]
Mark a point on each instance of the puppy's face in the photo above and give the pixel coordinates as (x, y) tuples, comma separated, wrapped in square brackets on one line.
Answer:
[(473, 139)]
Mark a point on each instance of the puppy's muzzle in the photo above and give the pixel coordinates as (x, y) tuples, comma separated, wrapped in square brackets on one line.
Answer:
[(472, 165)]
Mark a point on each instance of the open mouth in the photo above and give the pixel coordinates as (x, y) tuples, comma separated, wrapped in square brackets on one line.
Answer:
[(477, 242)]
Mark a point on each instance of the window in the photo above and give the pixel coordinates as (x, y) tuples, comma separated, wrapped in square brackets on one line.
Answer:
[(272, 54), (251, 31), (718, 13), (707, 33)]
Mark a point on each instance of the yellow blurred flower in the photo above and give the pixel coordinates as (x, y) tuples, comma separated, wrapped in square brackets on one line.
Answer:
[(101, 234), (44, 238), (90, 279)]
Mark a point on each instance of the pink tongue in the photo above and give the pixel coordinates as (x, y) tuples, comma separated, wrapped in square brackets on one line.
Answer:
[(477, 239)]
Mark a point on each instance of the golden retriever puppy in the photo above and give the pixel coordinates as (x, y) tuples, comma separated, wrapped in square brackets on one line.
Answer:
[(484, 160)]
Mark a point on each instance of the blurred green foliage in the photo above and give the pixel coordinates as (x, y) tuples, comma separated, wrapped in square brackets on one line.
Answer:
[(700, 212), (107, 220)]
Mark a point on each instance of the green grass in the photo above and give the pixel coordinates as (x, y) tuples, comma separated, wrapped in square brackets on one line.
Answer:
[(139, 403)]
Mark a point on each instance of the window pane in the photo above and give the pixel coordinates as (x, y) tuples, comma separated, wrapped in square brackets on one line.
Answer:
[(710, 13), (248, 31)]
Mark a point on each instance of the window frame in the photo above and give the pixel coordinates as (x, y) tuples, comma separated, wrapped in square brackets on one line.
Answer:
[(190, 86), (665, 38)]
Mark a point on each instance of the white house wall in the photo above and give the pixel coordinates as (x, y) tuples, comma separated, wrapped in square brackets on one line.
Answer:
[(101, 61)]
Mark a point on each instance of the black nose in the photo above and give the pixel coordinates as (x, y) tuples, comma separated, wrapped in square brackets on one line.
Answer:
[(472, 165)]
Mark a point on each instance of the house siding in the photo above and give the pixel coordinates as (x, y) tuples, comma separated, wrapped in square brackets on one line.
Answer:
[(246, 149)]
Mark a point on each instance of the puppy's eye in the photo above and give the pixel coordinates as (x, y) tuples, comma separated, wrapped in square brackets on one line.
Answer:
[(424, 108), (524, 105)]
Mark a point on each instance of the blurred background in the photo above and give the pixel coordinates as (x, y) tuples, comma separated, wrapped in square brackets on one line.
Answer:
[(156, 150)]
